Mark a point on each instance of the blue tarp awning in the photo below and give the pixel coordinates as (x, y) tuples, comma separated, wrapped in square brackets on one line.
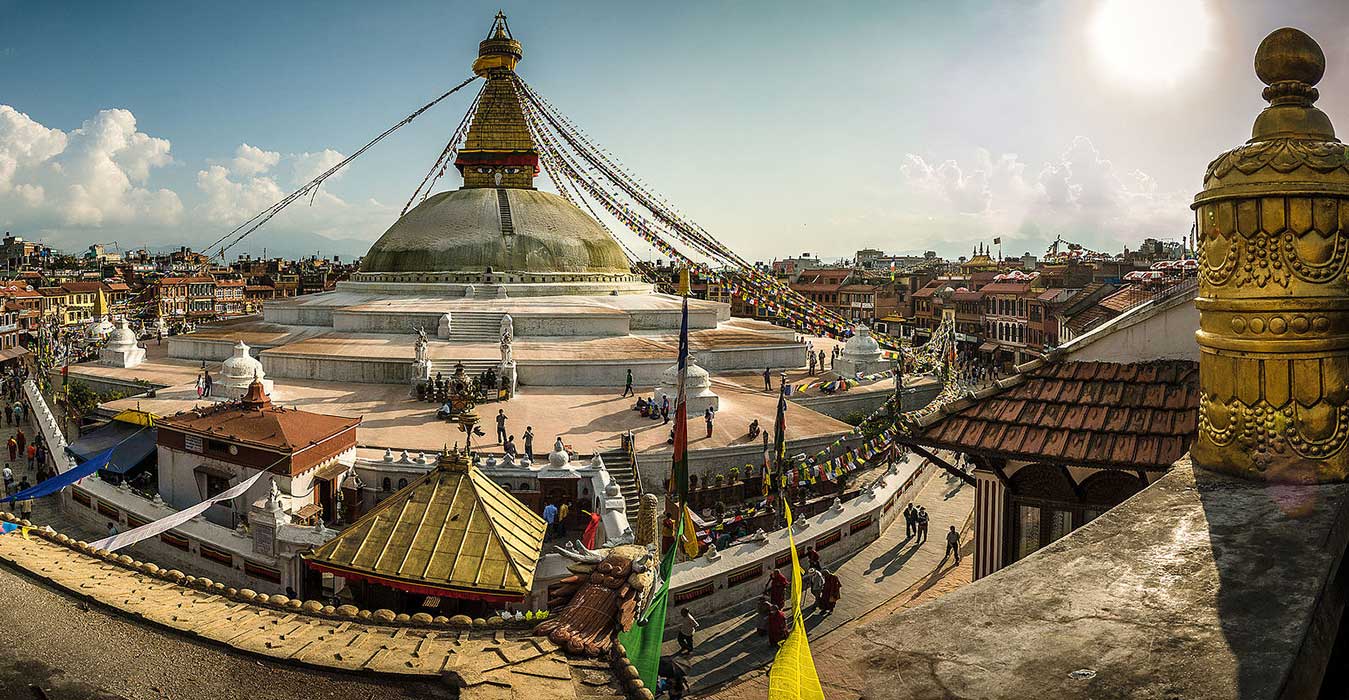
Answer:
[(130, 445)]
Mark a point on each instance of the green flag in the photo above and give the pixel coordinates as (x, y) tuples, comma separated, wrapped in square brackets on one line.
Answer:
[(643, 641)]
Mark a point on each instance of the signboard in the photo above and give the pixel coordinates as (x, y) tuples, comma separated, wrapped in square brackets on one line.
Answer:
[(192, 443), (264, 540)]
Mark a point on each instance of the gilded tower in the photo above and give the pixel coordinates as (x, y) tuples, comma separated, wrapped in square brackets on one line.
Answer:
[(498, 151), (1273, 222)]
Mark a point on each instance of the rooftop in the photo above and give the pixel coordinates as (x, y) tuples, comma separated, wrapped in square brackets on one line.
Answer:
[(1126, 416), (255, 421), (451, 532)]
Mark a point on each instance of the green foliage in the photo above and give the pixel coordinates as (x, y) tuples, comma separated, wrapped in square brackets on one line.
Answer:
[(855, 418), (81, 399)]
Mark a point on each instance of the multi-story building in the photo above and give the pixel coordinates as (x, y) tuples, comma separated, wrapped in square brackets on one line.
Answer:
[(170, 295), (78, 302), (201, 298), (857, 302), (1006, 321), (16, 253), (229, 297), (257, 294)]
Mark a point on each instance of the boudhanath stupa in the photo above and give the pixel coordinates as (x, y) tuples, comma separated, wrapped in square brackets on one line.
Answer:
[(491, 274)]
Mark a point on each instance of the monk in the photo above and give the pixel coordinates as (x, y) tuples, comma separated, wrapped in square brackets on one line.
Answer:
[(777, 588), (833, 590), (777, 626)]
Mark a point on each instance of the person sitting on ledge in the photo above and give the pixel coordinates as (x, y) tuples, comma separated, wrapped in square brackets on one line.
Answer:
[(754, 429)]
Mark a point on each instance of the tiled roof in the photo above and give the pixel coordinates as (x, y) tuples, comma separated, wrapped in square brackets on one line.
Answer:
[(453, 531), (1005, 288), (1127, 298), (1103, 414), (273, 427)]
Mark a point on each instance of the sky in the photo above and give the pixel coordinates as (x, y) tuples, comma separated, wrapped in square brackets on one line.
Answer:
[(780, 127)]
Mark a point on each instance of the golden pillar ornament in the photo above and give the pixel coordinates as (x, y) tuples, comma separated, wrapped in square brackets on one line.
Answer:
[(1273, 223)]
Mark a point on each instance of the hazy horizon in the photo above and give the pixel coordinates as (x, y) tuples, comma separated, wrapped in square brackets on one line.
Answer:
[(781, 128)]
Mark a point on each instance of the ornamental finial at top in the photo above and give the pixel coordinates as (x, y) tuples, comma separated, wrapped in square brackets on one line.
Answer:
[(1290, 63)]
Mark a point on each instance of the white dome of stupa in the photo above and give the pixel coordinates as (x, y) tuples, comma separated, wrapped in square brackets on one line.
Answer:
[(694, 376), (239, 371), (123, 336), (861, 344), (242, 365)]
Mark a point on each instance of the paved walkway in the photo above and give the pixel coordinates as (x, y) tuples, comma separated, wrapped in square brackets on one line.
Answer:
[(728, 649)]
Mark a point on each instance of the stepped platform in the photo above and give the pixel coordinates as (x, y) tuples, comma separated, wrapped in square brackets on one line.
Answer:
[(588, 419), (298, 351)]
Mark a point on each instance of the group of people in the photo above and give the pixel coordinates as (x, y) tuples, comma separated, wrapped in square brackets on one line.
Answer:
[(649, 408), (915, 524), (555, 516), (815, 361), (204, 384), (825, 588), (507, 441)]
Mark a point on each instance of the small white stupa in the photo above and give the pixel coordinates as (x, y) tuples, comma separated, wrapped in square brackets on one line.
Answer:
[(861, 355), (237, 372), (121, 349), (697, 388), (100, 326)]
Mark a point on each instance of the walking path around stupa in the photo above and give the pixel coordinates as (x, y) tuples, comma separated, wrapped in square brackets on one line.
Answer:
[(729, 649)]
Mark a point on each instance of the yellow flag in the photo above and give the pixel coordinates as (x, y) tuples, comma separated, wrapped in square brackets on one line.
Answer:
[(793, 675), (690, 541)]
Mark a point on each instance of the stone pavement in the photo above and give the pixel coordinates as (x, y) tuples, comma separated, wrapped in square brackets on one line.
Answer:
[(727, 650)]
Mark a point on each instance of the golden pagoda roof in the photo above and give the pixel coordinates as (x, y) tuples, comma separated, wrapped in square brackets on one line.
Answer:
[(452, 532)]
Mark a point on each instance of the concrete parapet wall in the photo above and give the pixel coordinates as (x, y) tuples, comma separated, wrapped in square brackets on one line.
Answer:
[(297, 315), (396, 322), (568, 325), (735, 580), (364, 370), (654, 466)]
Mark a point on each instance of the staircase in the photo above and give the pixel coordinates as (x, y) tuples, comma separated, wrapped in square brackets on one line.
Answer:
[(475, 327), (472, 367), (504, 210), (621, 469)]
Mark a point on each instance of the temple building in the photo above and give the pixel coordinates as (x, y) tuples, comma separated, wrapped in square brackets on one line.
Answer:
[(206, 451), (453, 537)]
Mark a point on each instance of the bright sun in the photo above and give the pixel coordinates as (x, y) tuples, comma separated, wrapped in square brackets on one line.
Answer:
[(1151, 42)]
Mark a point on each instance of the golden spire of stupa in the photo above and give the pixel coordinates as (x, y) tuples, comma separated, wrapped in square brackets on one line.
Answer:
[(498, 151)]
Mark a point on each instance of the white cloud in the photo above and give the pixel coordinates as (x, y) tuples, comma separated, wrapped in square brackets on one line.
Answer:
[(253, 182), (88, 178), (251, 160), (1078, 194), (307, 166), (98, 183)]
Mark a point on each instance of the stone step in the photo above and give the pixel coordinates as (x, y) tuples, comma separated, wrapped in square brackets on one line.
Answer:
[(620, 468)]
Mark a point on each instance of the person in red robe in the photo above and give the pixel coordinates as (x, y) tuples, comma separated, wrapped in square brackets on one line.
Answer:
[(777, 588), (833, 590), (592, 527), (777, 626)]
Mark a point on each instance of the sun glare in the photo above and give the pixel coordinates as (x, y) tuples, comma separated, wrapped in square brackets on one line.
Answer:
[(1150, 42)]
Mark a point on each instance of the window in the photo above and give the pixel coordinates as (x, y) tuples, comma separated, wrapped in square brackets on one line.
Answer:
[(402, 484), (1028, 521), (216, 485), (388, 485)]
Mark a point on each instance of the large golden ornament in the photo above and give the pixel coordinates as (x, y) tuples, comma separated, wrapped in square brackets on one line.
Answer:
[(1273, 223)]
